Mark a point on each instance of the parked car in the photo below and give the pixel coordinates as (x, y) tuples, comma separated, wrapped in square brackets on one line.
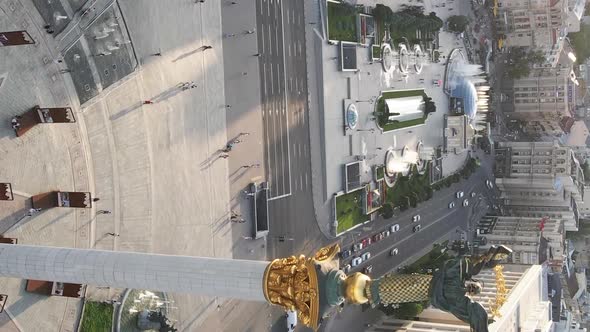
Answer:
[(473, 194), (377, 237), (368, 269), (291, 320), (347, 268), (393, 252), (356, 261), (366, 242), (394, 228), (416, 228), (357, 247), (345, 253), (465, 202), (386, 233), (416, 218), (451, 205), (366, 256), (489, 184), (460, 194)]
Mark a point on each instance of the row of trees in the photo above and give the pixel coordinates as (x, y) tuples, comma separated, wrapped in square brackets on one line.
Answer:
[(408, 18), (520, 61), (580, 41)]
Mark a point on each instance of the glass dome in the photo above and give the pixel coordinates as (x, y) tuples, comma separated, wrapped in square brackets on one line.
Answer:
[(465, 89)]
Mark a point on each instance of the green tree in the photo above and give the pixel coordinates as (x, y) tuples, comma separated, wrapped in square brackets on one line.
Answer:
[(429, 106), (387, 211), (458, 23), (382, 13), (346, 9), (404, 311), (536, 57), (417, 11), (586, 169)]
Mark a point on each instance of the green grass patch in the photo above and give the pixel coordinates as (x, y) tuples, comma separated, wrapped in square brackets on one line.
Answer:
[(342, 23), (383, 116), (432, 260), (98, 317), (349, 210), (376, 51)]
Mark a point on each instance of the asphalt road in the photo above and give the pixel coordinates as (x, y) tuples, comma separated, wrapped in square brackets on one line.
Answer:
[(271, 32), (291, 206), (436, 220)]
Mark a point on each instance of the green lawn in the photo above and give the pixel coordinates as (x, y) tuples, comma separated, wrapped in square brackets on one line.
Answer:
[(382, 116), (349, 211), (341, 25), (98, 317)]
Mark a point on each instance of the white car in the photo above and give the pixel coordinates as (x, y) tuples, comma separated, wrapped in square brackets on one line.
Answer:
[(291, 320), (394, 252), (366, 256), (416, 218), (356, 261), (347, 268), (473, 194), (460, 194), (465, 202), (357, 247), (394, 228), (386, 233), (451, 205)]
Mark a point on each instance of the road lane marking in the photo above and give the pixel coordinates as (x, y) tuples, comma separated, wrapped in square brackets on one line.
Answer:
[(285, 95)]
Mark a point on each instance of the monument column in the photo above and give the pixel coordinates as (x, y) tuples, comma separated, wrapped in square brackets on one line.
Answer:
[(232, 278)]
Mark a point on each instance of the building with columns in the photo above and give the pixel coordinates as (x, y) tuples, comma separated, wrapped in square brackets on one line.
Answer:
[(533, 240), (541, 178), (527, 307)]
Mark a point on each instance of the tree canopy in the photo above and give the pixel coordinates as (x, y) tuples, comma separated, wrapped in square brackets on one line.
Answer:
[(520, 62), (458, 23), (404, 310)]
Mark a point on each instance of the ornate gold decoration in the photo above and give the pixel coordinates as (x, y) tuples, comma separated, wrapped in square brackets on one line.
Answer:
[(327, 253), (292, 283), (354, 288), (501, 292)]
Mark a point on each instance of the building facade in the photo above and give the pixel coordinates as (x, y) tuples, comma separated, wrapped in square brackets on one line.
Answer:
[(538, 24), (526, 309), (539, 179)]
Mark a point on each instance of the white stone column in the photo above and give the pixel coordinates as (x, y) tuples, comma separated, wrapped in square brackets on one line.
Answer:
[(231, 278)]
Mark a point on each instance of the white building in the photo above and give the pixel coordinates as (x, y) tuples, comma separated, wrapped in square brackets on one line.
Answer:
[(527, 308)]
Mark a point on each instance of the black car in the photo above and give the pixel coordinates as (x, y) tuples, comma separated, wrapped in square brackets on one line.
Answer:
[(416, 228)]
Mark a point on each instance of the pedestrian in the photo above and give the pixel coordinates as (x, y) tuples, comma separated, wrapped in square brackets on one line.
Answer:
[(103, 212), (249, 32), (147, 102), (236, 141), (193, 85), (228, 147), (47, 26), (96, 199), (157, 54), (244, 73), (244, 134), (257, 54), (224, 155), (206, 47), (63, 71), (113, 234), (228, 106), (50, 31), (233, 3), (234, 214)]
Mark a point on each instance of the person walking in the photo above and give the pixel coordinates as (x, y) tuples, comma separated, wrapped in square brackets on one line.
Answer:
[(208, 47), (228, 106), (147, 102), (96, 199), (193, 85), (103, 212), (224, 155), (113, 234), (157, 54), (257, 54)]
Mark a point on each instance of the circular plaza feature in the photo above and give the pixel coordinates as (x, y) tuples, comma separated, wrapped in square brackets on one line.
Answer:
[(352, 117), (418, 59), (387, 59), (404, 58)]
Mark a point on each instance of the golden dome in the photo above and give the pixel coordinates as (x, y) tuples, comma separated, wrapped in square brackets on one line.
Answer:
[(354, 288)]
